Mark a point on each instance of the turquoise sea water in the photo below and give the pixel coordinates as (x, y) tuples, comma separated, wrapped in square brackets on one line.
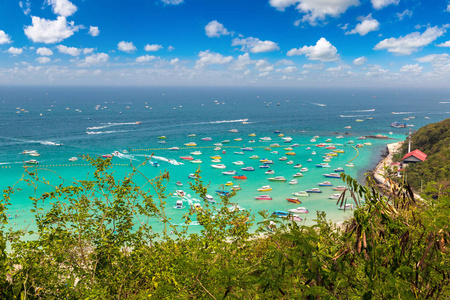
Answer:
[(61, 123)]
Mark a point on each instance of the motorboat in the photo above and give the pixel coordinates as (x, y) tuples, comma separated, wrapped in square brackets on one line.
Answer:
[(312, 140), (321, 145), (269, 172), (297, 175), (252, 141), (216, 160), (254, 157), (265, 139), (359, 145), (328, 141), (330, 147), (361, 138), (210, 199), (162, 137), (290, 153), (348, 127), (288, 149), (309, 160), (229, 183), (298, 166), (299, 210), (340, 137), (180, 193), (308, 148), (218, 144), (248, 169), (346, 206), (174, 149), (325, 183), (191, 135), (263, 197), (238, 139), (265, 188), (291, 162), (335, 196), (162, 142), (196, 153), (314, 190), (327, 160), (179, 183), (283, 158), (340, 169), (239, 153), (233, 130), (238, 163), (197, 206), (32, 162), (247, 149), (206, 139), (219, 166), (242, 177), (107, 156), (277, 178), (29, 152), (191, 144), (225, 142), (351, 165), (73, 158), (217, 149), (187, 157), (229, 173), (274, 152), (193, 176), (323, 165), (295, 145), (179, 205), (338, 151), (293, 181), (303, 170), (313, 153), (252, 134), (236, 188), (368, 143), (294, 200), (216, 157), (332, 175), (34, 154), (339, 188), (264, 166), (300, 194), (275, 145), (197, 161), (223, 193)]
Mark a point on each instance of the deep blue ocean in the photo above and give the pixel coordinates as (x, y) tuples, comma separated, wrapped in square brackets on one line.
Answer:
[(63, 122)]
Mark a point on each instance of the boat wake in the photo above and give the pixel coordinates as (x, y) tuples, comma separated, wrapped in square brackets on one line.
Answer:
[(352, 116), (111, 125), (107, 132), (402, 113), (363, 110), (169, 160), (220, 122), (317, 104), (444, 102)]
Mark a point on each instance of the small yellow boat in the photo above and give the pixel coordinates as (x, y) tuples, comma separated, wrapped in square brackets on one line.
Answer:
[(191, 144), (281, 135), (288, 149), (338, 151), (252, 134), (265, 188), (290, 153), (162, 137), (229, 183), (268, 149), (216, 157)]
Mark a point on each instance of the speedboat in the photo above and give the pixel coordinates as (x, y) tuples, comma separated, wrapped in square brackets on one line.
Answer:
[(238, 163), (174, 149), (290, 153), (265, 139), (312, 140), (288, 149), (229, 173), (34, 154), (193, 176), (265, 188), (323, 165), (297, 175), (247, 149), (197, 206), (293, 181), (29, 151), (191, 135), (248, 169), (294, 200), (283, 158), (346, 206), (314, 190), (359, 145), (233, 130), (222, 193), (340, 137), (239, 153), (216, 157), (325, 183), (196, 161), (219, 166), (187, 157), (178, 183), (328, 141), (298, 166), (275, 145), (107, 156), (264, 166), (217, 149), (206, 139), (216, 160), (295, 145), (348, 127), (236, 188), (361, 138), (252, 134), (240, 177), (229, 183), (254, 157), (309, 160), (320, 145), (191, 144), (299, 210), (340, 169), (277, 178), (330, 147), (351, 142), (238, 139), (304, 170), (162, 142), (179, 205), (291, 162), (368, 143), (274, 152), (300, 194), (162, 137), (308, 148), (32, 162), (180, 193), (335, 196), (351, 165), (269, 172), (196, 153), (313, 153), (339, 188), (338, 151), (332, 175), (218, 144), (263, 197), (252, 141), (210, 199), (73, 158), (225, 141)]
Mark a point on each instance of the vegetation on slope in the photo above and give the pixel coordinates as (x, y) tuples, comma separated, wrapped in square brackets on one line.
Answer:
[(433, 175), (96, 242)]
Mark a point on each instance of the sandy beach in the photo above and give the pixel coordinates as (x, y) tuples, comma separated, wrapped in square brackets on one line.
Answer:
[(378, 172)]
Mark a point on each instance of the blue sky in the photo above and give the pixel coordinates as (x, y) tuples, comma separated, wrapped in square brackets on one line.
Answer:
[(230, 42)]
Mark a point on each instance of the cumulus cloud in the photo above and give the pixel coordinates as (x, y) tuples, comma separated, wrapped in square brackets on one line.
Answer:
[(88, 50), (337, 69), (285, 62), (316, 9), (43, 51), (48, 31), (448, 8), (209, 58), (25, 6), (405, 45), (405, 13), (153, 47), (446, 44), (412, 69), (215, 29), (94, 59), (43, 60), (172, 2), (170, 48), (93, 31), (376, 70), (360, 61), (287, 70), (439, 62), (174, 61), (242, 62), (263, 65), (255, 45), (145, 58), (63, 8), (126, 47), (323, 51), (379, 4), (69, 50), (4, 38), (15, 51), (313, 66), (367, 25)]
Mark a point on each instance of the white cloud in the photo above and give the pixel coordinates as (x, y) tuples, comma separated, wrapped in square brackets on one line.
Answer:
[(263, 65), (433, 57), (15, 51), (410, 43), (88, 50), (4, 38), (412, 69), (153, 47), (126, 47), (448, 8), (313, 66), (323, 51), (145, 58), (316, 9), (48, 31), (174, 61), (170, 48), (287, 70), (94, 59), (446, 44), (337, 69), (43, 51), (379, 4), (209, 58), (376, 71), (172, 2), (405, 13), (360, 61), (43, 60), (215, 29), (285, 62), (25, 6), (367, 25), (255, 45), (242, 62), (93, 31), (439, 62), (63, 8), (69, 50)]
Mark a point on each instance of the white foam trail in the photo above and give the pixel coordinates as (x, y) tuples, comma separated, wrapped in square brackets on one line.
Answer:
[(353, 116), (47, 143), (402, 113), (318, 104), (169, 160), (219, 122), (107, 132), (110, 125), (444, 102), (363, 110)]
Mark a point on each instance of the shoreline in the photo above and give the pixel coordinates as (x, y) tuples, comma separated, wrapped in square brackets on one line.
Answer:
[(392, 149)]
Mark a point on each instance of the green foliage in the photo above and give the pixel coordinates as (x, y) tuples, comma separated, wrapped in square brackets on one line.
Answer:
[(97, 242)]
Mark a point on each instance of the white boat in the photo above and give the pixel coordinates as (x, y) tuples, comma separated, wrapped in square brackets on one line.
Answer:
[(351, 165), (238, 163), (323, 165), (309, 160), (174, 149), (291, 162), (229, 173), (180, 193), (29, 151), (35, 154), (277, 178), (334, 196), (298, 166), (239, 152), (308, 148), (215, 160), (73, 158), (346, 206), (299, 210), (265, 139), (196, 161), (304, 170), (301, 194), (233, 130), (218, 144), (293, 181), (32, 162), (297, 175), (313, 153), (196, 153), (210, 199), (219, 166), (283, 158), (269, 172), (312, 140), (179, 205), (217, 149), (254, 157), (265, 188)]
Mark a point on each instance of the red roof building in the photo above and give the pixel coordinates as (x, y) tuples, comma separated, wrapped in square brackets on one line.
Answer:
[(414, 156)]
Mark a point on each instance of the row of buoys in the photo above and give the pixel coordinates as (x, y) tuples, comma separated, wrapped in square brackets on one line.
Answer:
[(209, 147), (80, 165), (6, 167), (357, 153)]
